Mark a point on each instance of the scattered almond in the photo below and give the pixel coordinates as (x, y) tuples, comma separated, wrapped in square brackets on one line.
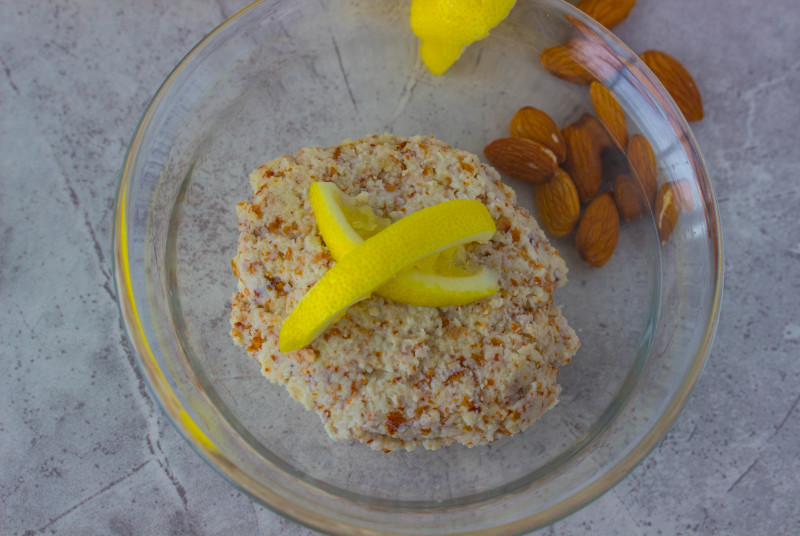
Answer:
[(558, 204), (583, 162), (678, 82), (672, 199), (579, 146), (586, 139), (643, 164), (522, 159), (534, 124), (609, 13), (628, 196), (598, 230), (683, 193), (593, 53), (667, 210), (560, 61), (600, 137), (610, 113)]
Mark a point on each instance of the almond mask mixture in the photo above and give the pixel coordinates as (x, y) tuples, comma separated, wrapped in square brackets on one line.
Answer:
[(388, 374)]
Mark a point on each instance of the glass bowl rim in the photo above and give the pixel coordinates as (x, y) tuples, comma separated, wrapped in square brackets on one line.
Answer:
[(304, 515)]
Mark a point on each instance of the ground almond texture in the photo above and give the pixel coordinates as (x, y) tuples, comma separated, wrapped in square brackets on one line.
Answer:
[(388, 374)]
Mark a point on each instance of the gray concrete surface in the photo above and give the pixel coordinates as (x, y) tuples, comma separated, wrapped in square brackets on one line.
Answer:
[(84, 448)]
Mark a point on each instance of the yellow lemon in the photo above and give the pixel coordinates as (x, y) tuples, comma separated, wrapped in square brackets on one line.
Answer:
[(443, 279), (446, 27), (380, 257), (343, 222)]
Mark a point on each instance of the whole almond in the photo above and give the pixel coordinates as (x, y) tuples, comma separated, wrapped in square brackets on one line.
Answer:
[(583, 162), (600, 137), (558, 204), (610, 113), (593, 53), (560, 61), (522, 159), (683, 194), (668, 208), (628, 196), (586, 139), (609, 13), (598, 230), (534, 124), (643, 164), (678, 82)]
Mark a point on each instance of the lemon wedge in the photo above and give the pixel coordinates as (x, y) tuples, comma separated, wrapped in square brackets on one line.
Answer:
[(443, 279), (446, 27), (380, 257)]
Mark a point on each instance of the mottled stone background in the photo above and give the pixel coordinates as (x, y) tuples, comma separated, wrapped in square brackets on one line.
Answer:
[(84, 449)]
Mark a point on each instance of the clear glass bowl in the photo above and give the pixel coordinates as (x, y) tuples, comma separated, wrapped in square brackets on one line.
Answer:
[(281, 75)]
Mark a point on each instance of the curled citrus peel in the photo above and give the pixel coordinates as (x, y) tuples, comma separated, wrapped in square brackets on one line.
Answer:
[(431, 237), (443, 279)]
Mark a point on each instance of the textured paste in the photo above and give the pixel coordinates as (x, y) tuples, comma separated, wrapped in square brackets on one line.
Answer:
[(393, 375)]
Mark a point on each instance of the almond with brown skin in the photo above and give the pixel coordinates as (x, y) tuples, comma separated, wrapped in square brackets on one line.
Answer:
[(593, 53), (558, 204), (598, 230), (599, 133), (560, 61), (610, 113), (628, 196), (534, 124), (522, 159), (609, 13), (678, 82), (586, 139), (668, 208), (683, 193), (643, 164), (583, 162)]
